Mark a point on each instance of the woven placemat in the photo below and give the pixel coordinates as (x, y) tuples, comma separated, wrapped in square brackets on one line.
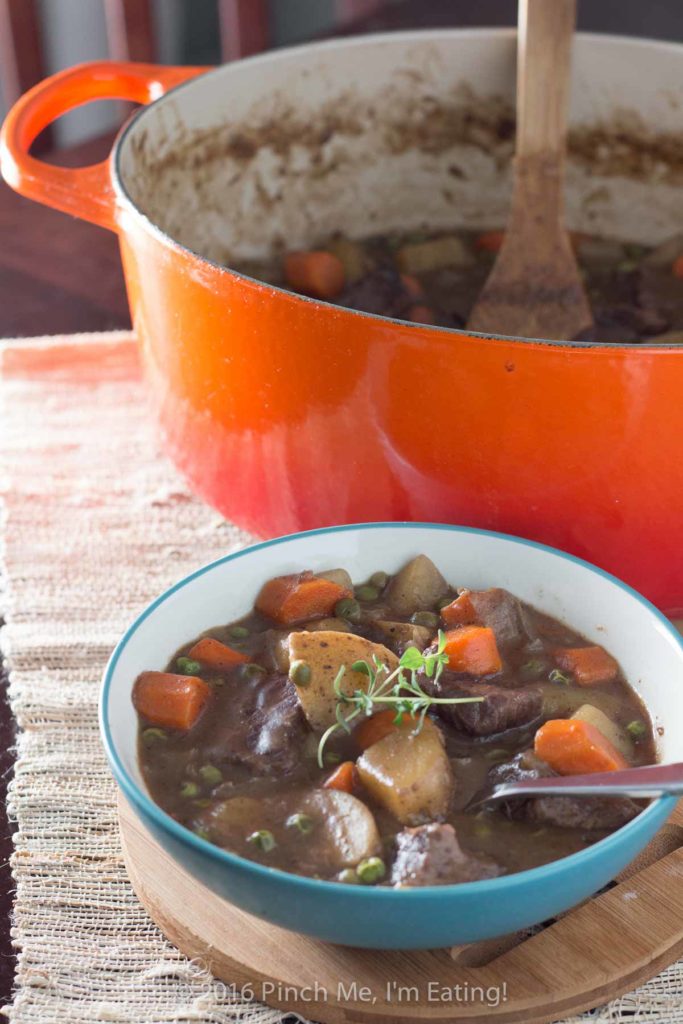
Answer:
[(96, 523)]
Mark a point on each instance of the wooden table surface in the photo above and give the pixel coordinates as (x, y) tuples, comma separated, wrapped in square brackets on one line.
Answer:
[(59, 275)]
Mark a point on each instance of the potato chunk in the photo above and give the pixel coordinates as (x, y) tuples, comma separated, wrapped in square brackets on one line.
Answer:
[(338, 576), (617, 736), (418, 585), (323, 625), (405, 633), (342, 829), (447, 251), (353, 256), (408, 773), (347, 831), (324, 652)]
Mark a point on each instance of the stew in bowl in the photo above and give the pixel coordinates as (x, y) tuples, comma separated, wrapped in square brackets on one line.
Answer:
[(260, 834), (341, 730)]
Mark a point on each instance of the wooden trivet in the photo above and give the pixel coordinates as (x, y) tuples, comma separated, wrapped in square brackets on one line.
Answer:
[(596, 952)]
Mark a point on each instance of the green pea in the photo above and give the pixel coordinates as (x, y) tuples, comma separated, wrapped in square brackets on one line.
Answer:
[(302, 822), (252, 671), (202, 833), (152, 736), (188, 666), (189, 789), (634, 250), (367, 593), (533, 669), (348, 876), (430, 619), (263, 839), (203, 803), (637, 728), (210, 774), (379, 580), (371, 870), (347, 608), (238, 632), (559, 677), (300, 673)]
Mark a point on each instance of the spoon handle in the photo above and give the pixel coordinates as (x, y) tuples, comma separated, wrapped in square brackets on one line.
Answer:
[(544, 42), (650, 780)]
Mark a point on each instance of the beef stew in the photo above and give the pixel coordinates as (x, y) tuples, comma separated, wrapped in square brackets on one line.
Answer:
[(635, 291), (342, 731)]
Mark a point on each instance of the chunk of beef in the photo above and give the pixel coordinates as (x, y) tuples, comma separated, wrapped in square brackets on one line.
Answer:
[(276, 725), (264, 731), (630, 321), (500, 709), (660, 296), (504, 613), (522, 766), (431, 855), (585, 813), (380, 292)]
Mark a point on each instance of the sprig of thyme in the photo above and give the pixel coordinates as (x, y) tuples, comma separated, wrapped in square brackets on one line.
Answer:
[(400, 689)]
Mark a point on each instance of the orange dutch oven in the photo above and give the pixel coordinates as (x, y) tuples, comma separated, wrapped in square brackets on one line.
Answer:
[(287, 413)]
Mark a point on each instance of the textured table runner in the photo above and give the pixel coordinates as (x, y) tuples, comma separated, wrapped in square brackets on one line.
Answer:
[(95, 524)]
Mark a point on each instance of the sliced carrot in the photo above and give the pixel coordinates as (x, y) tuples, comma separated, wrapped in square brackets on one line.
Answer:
[(217, 655), (344, 777), (412, 285), (316, 273), (420, 315), (373, 729), (295, 598), (590, 666), (490, 241), (573, 747), (460, 612), (677, 268), (169, 700), (473, 649)]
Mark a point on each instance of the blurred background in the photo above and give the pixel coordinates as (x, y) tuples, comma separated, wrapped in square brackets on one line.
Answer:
[(61, 275)]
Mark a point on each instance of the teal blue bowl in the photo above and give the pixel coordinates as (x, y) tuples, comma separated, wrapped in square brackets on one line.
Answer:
[(598, 605)]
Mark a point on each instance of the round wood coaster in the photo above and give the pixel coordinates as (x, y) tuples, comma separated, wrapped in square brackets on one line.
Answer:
[(598, 951)]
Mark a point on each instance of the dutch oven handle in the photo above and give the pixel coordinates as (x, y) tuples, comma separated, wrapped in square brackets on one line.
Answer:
[(85, 192)]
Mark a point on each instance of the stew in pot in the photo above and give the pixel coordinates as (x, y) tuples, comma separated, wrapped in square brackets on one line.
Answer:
[(635, 291), (342, 731)]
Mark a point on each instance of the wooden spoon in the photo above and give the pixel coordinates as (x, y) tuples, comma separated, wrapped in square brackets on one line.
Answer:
[(535, 289)]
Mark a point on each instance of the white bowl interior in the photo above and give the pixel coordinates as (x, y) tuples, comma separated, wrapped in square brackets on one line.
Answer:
[(585, 599)]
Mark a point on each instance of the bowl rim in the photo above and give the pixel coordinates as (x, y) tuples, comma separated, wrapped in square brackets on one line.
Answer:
[(159, 234), (662, 806)]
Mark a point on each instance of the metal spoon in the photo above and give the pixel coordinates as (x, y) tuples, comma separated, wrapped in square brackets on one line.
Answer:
[(648, 781)]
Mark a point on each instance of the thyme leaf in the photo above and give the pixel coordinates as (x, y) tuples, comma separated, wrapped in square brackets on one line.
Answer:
[(400, 689)]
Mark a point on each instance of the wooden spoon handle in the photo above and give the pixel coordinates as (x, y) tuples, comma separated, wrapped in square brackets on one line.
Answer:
[(545, 33)]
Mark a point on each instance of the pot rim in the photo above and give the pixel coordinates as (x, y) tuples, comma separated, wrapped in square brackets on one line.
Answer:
[(124, 200), (551, 871)]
